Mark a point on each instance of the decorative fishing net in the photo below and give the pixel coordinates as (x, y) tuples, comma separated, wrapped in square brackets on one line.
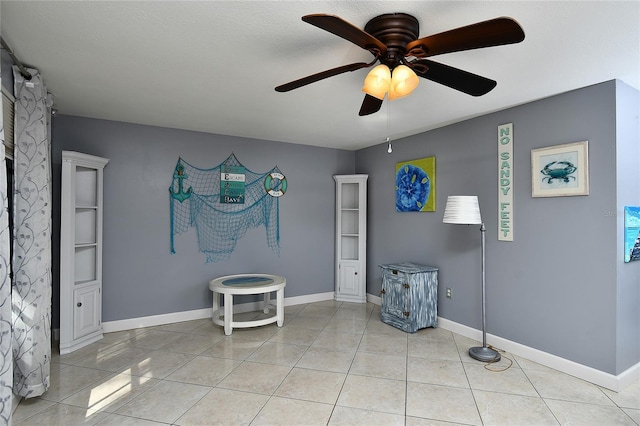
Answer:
[(198, 200)]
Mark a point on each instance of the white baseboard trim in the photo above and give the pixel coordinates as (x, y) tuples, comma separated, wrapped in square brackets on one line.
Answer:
[(374, 299), (154, 320), (310, 298), (600, 378), (628, 377)]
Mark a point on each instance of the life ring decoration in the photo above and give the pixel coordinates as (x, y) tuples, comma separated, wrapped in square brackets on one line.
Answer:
[(280, 187)]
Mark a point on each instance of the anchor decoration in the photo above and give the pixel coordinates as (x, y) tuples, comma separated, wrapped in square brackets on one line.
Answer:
[(180, 195)]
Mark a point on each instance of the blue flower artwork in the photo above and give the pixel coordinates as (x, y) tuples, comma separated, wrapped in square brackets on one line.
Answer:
[(415, 186)]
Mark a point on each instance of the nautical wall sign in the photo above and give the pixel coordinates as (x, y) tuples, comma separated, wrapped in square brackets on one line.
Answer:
[(505, 182), (232, 184)]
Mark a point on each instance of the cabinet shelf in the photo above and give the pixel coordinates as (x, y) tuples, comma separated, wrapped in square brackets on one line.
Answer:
[(84, 283), (83, 245)]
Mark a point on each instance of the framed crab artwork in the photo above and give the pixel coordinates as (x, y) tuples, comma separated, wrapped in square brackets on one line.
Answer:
[(416, 185), (560, 171)]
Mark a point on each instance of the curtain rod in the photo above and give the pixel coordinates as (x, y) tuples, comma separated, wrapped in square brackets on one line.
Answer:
[(21, 67)]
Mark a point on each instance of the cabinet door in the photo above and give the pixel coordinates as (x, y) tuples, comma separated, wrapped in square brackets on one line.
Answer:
[(394, 298), (86, 306), (349, 280)]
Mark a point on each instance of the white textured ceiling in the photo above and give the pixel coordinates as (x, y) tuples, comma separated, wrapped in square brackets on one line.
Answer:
[(212, 66)]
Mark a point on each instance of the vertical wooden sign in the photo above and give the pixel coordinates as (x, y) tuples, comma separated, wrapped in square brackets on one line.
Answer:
[(505, 182)]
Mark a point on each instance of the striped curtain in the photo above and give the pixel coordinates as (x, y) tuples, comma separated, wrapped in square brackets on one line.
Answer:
[(31, 290)]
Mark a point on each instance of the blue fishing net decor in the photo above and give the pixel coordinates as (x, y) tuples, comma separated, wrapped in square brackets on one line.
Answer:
[(197, 200)]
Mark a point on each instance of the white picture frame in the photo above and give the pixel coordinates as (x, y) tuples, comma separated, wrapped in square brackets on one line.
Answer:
[(560, 170)]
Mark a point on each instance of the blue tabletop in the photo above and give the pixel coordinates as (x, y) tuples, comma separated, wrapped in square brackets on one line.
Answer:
[(240, 281)]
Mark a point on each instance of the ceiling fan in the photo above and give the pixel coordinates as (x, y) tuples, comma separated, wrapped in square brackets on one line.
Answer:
[(393, 40)]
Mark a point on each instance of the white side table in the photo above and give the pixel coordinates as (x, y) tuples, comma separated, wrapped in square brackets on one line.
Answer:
[(231, 285)]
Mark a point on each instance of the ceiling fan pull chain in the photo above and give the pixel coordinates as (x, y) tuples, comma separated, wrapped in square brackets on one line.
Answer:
[(389, 149)]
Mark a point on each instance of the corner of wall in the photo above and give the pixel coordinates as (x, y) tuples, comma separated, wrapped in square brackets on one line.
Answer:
[(627, 194)]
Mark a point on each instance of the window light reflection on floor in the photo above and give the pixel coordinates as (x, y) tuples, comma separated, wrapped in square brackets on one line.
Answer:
[(114, 390)]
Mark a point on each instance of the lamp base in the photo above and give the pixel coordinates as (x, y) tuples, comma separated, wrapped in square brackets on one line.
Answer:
[(484, 354)]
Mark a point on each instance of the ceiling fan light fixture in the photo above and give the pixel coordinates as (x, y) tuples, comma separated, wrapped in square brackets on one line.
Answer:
[(376, 83), (403, 82)]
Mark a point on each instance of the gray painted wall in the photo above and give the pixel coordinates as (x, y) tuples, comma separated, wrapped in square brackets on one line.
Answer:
[(141, 277), (555, 287), (628, 193)]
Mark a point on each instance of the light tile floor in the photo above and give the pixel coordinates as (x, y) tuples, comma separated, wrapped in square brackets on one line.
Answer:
[(331, 364)]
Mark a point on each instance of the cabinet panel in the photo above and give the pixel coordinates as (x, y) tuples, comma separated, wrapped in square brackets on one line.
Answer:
[(86, 312), (395, 297), (349, 280)]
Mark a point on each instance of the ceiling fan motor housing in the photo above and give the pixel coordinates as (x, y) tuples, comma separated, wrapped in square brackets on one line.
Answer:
[(395, 30)]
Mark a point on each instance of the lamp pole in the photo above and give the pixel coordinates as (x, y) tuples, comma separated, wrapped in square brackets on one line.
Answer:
[(484, 353)]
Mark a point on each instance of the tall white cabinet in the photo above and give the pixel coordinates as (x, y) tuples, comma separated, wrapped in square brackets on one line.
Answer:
[(81, 250), (351, 238)]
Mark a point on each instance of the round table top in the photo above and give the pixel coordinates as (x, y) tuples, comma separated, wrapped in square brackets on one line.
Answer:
[(247, 283)]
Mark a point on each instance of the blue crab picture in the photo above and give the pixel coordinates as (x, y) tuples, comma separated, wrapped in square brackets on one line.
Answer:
[(560, 170)]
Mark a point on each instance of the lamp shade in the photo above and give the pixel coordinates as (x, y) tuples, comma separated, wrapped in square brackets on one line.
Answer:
[(403, 82), (377, 81), (463, 210)]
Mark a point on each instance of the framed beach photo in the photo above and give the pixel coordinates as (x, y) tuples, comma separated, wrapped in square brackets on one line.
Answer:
[(560, 171)]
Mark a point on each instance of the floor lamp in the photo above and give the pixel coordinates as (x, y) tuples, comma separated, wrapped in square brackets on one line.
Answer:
[(465, 210)]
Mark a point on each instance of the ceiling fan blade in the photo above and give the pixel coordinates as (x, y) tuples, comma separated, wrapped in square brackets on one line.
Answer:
[(463, 81), (370, 105), (321, 76), (494, 32), (341, 28)]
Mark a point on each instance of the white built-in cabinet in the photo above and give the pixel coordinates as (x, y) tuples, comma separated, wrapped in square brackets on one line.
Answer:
[(80, 250), (351, 238)]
